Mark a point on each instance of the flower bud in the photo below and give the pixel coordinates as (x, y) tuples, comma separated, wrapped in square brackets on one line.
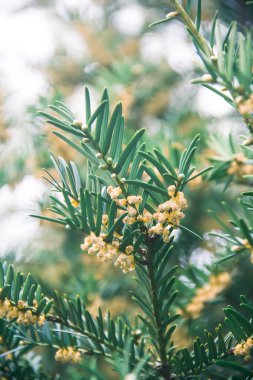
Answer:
[(236, 248), (214, 59), (85, 127), (181, 177), (171, 15), (77, 123), (248, 142), (137, 333), (238, 99), (207, 78), (130, 376), (99, 155), (103, 167)]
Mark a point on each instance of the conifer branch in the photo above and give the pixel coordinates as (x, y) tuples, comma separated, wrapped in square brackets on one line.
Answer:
[(187, 20)]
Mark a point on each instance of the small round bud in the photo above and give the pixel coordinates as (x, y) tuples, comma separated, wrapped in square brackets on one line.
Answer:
[(85, 127), (214, 59), (238, 99), (113, 175), (103, 167), (181, 177), (77, 123), (130, 376), (109, 160), (67, 227), (171, 15), (137, 333), (85, 140), (123, 180), (207, 78), (236, 248), (248, 142), (99, 155), (239, 89)]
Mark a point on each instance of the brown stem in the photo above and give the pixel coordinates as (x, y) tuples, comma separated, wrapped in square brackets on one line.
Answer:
[(164, 366)]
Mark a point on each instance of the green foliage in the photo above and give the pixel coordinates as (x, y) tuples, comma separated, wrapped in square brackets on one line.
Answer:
[(151, 254), (227, 59), (15, 287), (16, 360), (155, 301), (81, 207), (238, 233), (211, 350), (144, 349), (70, 324), (230, 160), (110, 165)]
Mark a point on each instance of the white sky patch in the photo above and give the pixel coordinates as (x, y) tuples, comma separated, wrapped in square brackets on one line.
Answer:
[(210, 104), (21, 89), (25, 43), (169, 43), (27, 35), (130, 19), (231, 125), (72, 42), (33, 36), (87, 9), (152, 124), (8, 6), (18, 230), (76, 101)]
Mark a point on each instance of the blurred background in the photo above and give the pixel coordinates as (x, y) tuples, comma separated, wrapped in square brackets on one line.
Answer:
[(49, 50)]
